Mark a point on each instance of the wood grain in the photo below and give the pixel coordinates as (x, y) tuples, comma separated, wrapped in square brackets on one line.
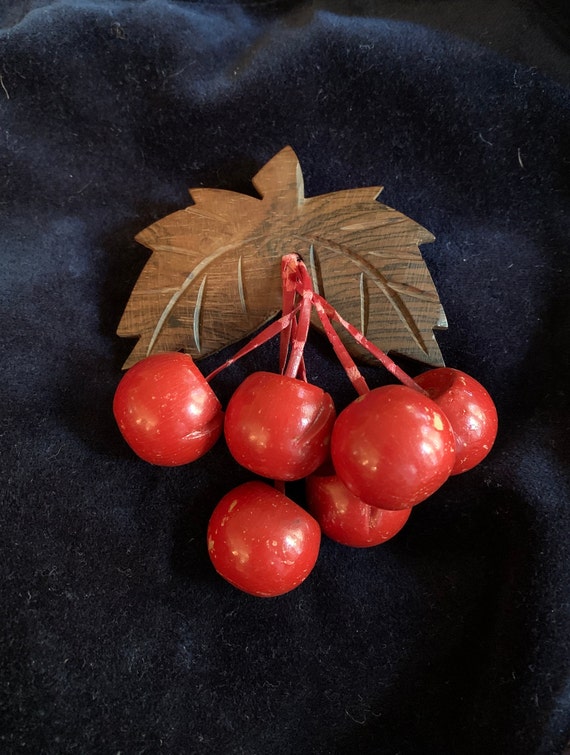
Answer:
[(214, 273)]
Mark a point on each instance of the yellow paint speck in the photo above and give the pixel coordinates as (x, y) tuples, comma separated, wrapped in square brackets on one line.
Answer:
[(437, 422), (232, 505)]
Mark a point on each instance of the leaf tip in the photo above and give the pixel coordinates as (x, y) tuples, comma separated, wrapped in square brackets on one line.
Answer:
[(145, 237), (281, 176)]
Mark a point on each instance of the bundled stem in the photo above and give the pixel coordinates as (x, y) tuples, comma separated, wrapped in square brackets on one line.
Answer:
[(288, 297), (298, 299)]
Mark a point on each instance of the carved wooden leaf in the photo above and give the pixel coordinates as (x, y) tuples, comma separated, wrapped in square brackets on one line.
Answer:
[(214, 274)]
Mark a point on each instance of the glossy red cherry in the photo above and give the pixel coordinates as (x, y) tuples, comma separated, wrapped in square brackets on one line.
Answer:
[(393, 447), (166, 411), (345, 518), (279, 427), (470, 410), (261, 541)]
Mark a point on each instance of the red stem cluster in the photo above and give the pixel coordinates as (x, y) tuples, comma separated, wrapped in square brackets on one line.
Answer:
[(298, 300)]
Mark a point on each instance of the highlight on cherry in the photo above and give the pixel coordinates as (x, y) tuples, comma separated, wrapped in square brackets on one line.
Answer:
[(364, 470)]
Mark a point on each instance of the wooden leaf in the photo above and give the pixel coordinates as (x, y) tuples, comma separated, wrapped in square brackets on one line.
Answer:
[(214, 274)]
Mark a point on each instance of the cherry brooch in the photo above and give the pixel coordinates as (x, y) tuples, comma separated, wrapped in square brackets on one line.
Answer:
[(365, 469)]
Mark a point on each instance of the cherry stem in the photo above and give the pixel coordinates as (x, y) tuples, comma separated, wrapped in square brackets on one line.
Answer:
[(377, 353), (294, 326), (288, 296), (327, 313), (354, 375), (277, 326), (300, 336), (289, 269), (302, 374), (292, 279)]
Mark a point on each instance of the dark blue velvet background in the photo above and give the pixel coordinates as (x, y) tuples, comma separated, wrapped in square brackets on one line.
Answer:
[(116, 634)]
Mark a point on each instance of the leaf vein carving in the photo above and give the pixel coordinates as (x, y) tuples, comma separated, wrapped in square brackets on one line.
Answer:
[(241, 290), (190, 278), (379, 281), (198, 314)]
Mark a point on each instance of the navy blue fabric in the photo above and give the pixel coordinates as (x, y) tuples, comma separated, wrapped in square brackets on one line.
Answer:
[(116, 633)]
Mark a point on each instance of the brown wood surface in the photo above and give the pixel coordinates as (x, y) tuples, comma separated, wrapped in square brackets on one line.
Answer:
[(214, 275)]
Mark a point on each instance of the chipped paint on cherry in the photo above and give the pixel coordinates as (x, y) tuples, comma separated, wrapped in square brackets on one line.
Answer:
[(255, 552), (438, 421)]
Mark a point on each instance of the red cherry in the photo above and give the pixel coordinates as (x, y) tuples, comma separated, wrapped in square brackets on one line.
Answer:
[(279, 427), (345, 518), (470, 410), (166, 411), (261, 541), (393, 447)]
